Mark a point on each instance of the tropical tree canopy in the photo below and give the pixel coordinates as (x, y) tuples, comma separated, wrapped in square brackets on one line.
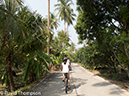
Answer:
[(23, 42), (105, 22)]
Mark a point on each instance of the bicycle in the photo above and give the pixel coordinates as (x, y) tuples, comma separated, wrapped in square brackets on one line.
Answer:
[(66, 82)]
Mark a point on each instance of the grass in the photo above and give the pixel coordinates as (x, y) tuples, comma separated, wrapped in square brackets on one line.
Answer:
[(2, 87)]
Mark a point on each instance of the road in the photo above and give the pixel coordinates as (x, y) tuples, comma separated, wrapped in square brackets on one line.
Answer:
[(83, 83)]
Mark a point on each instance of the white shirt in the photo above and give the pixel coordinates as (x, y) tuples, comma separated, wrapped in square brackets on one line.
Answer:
[(65, 67)]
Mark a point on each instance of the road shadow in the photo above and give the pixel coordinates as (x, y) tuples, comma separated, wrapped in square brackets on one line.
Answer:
[(102, 84), (81, 95), (117, 90), (79, 82), (114, 89), (53, 86)]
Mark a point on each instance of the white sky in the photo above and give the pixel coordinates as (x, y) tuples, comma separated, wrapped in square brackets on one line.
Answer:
[(41, 7)]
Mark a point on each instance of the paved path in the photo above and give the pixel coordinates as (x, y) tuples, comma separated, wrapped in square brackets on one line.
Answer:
[(83, 83)]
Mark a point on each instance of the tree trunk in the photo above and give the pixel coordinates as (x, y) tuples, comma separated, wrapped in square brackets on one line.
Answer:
[(114, 66), (116, 56), (128, 73), (67, 31), (48, 24), (67, 28), (64, 34), (114, 63), (127, 54), (8, 87), (10, 75), (32, 75), (64, 26)]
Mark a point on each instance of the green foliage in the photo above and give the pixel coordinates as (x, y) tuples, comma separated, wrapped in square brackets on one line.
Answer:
[(94, 56), (65, 12), (63, 39), (26, 70), (38, 63), (62, 53), (54, 21), (64, 9), (58, 53), (24, 35), (123, 12), (105, 24), (72, 47)]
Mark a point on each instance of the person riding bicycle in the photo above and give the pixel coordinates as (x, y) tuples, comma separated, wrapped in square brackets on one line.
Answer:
[(65, 68)]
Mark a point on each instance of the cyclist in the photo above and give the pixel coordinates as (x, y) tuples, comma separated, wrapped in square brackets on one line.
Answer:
[(65, 68)]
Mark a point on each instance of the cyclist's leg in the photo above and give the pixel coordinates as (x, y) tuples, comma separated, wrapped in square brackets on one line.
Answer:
[(68, 80), (63, 77)]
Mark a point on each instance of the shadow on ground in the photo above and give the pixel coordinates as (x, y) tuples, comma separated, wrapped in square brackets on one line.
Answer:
[(114, 89), (53, 86), (80, 82)]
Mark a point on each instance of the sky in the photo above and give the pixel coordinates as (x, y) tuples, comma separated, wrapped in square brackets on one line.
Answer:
[(41, 7)]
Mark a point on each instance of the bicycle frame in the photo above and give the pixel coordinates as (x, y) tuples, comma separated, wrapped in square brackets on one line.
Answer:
[(66, 82)]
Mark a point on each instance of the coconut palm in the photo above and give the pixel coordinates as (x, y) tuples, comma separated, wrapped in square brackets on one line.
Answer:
[(53, 21), (72, 47), (63, 38), (70, 19), (64, 10)]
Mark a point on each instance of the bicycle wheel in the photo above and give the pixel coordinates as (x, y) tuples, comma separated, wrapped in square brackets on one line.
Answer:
[(66, 85)]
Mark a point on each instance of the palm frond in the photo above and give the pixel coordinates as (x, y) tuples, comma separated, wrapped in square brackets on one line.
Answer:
[(37, 68), (26, 70)]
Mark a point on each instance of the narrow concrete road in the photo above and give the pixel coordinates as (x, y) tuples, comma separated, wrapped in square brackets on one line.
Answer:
[(83, 83), (53, 86)]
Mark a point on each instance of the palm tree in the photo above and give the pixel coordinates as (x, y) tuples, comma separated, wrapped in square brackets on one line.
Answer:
[(53, 21), (64, 10), (53, 24), (63, 38), (9, 27), (72, 47), (70, 19)]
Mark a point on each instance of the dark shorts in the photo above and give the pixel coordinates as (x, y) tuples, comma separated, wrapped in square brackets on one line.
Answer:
[(67, 74)]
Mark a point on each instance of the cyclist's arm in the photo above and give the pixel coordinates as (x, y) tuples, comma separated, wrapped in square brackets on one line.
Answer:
[(61, 67), (70, 68)]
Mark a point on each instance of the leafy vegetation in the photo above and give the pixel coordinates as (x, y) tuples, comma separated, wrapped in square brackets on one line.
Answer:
[(102, 26), (23, 45)]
